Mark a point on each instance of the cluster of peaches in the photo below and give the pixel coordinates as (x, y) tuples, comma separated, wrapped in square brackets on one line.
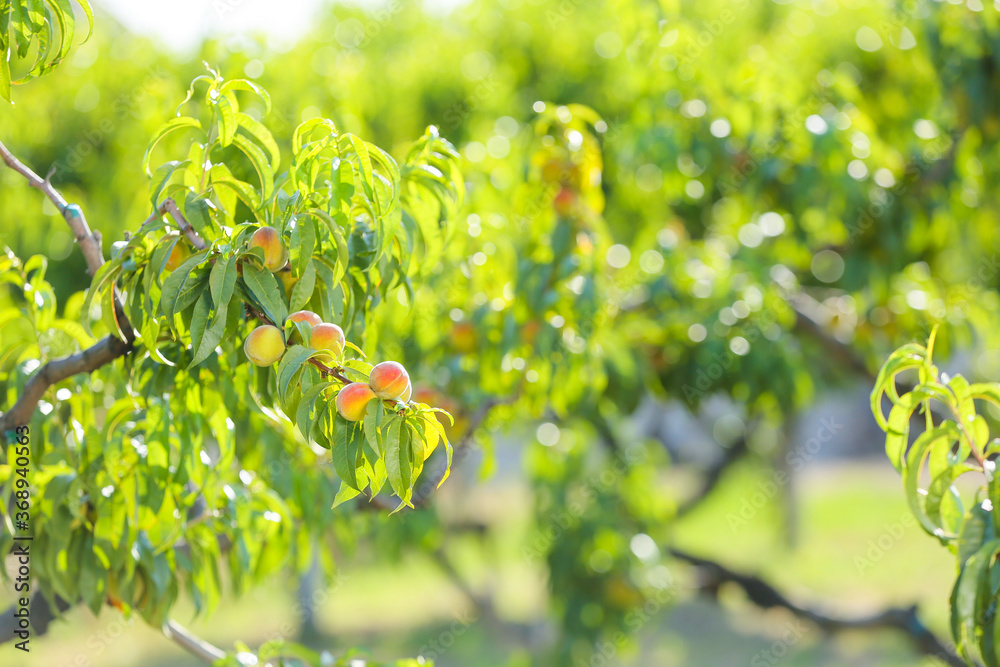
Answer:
[(266, 345)]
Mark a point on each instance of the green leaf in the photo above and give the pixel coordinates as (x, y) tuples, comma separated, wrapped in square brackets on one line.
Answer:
[(942, 435), (304, 411), (260, 164), (346, 445), (972, 590), (171, 125), (306, 243), (222, 280), (898, 425), (257, 131), (303, 289), (266, 292), (291, 364), (227, 119), (199, 321), (244, 84), (213, 335), (346, 493), (398, 465)]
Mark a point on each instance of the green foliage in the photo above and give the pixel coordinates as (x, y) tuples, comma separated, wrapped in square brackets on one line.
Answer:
[(44, 26), (671, 220), (952, 445)]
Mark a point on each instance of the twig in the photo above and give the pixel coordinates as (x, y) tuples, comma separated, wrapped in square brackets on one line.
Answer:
[(170, 206), (192, 644), (806, 322), (766, 596), (103, 352), (90, 242), (481, 604)]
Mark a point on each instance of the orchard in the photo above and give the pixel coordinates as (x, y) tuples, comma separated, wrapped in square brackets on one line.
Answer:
[(499, 332)]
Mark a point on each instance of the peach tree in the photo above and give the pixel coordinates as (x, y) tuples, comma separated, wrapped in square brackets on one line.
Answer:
[(243, 303)]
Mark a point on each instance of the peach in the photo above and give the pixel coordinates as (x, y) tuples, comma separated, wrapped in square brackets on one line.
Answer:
[(352, 401), (389, 380), (178, 254), (307, 316), (390, 404), (327, 337), (265, 345), (275, 254), (288, 281)]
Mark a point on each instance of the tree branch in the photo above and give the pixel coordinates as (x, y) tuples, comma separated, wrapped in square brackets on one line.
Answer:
[(103, 352), (90, 242), (714, 475), (41, 616), (194, 645), (806, 321), (170, 206), (766, 596)]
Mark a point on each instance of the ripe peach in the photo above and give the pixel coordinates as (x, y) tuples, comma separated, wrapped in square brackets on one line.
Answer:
[(352, 401), (389, 380), (265, 345), (275, 254), (327, 337), (307, 316)]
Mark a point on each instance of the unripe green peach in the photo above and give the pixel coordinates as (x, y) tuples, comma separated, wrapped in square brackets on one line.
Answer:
[(307, 316), (327, 337), (352, 401), (275, 254), (265, 345), (389, 380)]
